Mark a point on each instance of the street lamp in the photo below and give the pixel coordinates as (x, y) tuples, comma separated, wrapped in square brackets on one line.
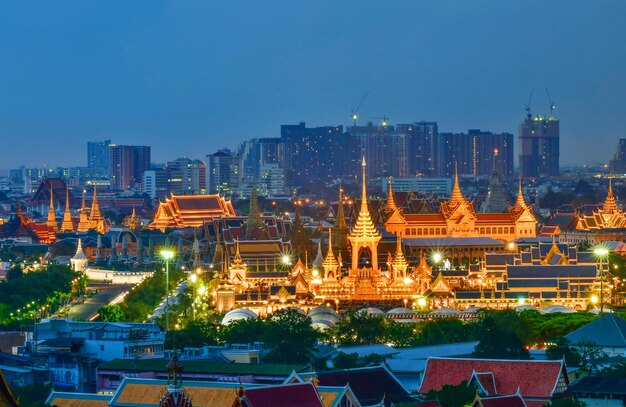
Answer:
[(601, 253), (167, 256)]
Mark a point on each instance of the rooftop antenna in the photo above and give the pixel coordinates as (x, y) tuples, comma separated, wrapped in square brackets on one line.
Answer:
[(527, 107), (355, 111), (552, 105)]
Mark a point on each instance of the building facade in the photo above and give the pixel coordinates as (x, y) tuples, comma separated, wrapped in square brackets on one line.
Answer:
[(539, 147), (127, 165)]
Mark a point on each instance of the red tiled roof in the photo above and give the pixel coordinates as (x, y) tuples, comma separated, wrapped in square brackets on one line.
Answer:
[(533, 378), (488, 382), (300, 394)]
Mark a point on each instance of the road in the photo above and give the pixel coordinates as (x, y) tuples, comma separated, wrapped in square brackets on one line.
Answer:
[(88, 310)]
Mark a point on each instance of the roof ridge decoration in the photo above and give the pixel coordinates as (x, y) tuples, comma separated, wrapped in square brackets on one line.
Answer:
[(364, 227)]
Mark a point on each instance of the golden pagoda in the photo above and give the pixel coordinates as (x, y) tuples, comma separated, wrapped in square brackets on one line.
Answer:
[(610, 216), (67, 225), (52, 221), (330, 263), (83, 221), (399, 263)]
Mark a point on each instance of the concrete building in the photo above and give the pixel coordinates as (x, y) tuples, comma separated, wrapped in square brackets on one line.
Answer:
[(127, 165), (155, 183), (539, 147), (439, 186), (98, 154), (223, 172), (473, 151), (186, 177)]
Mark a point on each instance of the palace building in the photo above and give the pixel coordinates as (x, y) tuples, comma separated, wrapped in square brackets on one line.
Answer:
[(190, 211), (609, 216), (457, 218)]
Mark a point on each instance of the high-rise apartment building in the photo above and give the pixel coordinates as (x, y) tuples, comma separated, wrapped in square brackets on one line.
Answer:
[(539, 147), (186, 177), (256, 153), (98, 154), (223, 172), (618, 164), (385, 147), (154, 183), (423, 147), (473, 153), (127, 165), (313, 153)]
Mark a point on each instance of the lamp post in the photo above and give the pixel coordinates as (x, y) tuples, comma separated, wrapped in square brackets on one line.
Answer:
[(167, 256), (601, 253), (194, 280)]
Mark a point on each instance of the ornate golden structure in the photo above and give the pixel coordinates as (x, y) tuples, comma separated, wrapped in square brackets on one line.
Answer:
[(190, 211), (610, 216)]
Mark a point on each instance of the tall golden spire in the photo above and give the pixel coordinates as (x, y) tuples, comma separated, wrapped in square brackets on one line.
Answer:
[(52, 221), (94, 215), (83, 221), (399, 261), (364, 226), (67, 225), (520, 203), (391, 201), (330, 262), (457, 195), (340, 222), (610, 204)]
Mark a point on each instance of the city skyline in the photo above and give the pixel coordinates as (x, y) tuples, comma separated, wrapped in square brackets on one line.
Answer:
[(207, 74)]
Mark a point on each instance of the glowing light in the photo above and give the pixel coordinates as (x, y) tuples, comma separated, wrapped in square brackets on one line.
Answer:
[(601, 251), (437, 257), (408, 281), (594, 299), (202, 290), (167, 254), (421, 302), (520, 301), (315, 273), (193, 278), (286, 259), (511, 245)]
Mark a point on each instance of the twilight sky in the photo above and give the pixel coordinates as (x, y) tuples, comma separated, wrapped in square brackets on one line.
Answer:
[(190, 77)]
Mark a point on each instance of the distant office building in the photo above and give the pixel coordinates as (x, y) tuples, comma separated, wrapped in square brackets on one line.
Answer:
[(473, 153), (127, 165), (618, 164), (313, 154), (439, 186), (154, 183), (423, 147), (539, 147), (223, 173), (386, 150), (98, 154), (256, 153), (272, 180), (186, 177)]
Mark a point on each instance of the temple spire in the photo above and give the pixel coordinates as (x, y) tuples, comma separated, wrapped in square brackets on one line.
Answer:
[(363, 189), (83, 222), (95, 215), (391, 201), (340, 221), (457, 195), (610, 204), (52, 222), (330, 263), (520, 203), (67, 225)]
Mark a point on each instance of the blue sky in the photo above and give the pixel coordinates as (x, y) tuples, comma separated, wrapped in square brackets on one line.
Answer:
[(193, 76)]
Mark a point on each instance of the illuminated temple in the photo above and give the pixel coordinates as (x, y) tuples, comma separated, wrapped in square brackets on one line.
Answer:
[(610, 216), (190, 211), (457, 218)]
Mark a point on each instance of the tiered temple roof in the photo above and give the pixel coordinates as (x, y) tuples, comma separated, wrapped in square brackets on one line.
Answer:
[(190, 211), (608, 217)]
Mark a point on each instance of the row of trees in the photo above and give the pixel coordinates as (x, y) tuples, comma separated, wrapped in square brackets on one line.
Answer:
[(27, 295)]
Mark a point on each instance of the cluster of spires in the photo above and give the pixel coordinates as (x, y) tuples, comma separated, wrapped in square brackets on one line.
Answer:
[(85, 223)]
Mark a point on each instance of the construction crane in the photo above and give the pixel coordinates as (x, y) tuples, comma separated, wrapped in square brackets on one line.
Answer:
[(527, 107), (355, 111), (552, 105)]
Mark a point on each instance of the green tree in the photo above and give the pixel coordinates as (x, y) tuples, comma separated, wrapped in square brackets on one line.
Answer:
[(111, 313), (454, 395), (15, 272), (562, 349), (345, 360), (243, 331), (290, 337), (359, 329), (446, 331), (499, 342)]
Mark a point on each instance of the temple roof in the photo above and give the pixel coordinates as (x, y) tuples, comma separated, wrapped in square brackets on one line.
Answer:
[(364, 227), (190, 211)]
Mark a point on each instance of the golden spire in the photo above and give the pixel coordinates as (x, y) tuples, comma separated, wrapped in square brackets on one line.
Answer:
[(67, 225), (330, 262), (364, 226), (399, 261), (610, 204), (52, 221), (340, 221), (457, 195), (520, 203), (391, 201), (95, 215), (237, 261), (83, 222)]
